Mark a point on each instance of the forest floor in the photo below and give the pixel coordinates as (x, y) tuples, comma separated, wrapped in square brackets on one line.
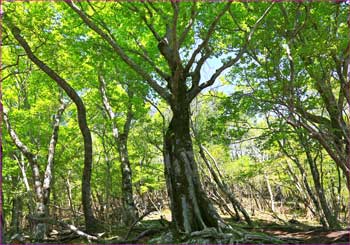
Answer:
[(302, 231), (264, 226)]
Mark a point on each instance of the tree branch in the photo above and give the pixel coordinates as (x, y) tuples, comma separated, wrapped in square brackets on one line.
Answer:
[(159, 89), (146, 57), (197, 89), (51, 151), (31, 157), (206, 39), (149, 25), (189, 24)]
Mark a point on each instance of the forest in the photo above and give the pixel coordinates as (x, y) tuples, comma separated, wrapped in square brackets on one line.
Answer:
[(179, 122)]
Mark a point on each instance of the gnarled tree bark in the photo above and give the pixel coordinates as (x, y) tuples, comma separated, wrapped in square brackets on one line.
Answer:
[(191, 209)]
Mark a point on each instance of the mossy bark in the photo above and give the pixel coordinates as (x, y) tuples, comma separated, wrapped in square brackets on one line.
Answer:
[(191, 209)]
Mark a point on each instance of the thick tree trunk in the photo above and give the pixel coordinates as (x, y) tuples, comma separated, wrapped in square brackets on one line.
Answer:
[(191, 209)]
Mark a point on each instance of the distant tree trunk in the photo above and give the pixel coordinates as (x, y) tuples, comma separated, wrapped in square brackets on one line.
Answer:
[(108, 180), (270, 192), (330, 217), (121, 139), (314, 198), (191, 209), (130, 211), (222, 185), (17, 209), (70, 199), (42, 189)]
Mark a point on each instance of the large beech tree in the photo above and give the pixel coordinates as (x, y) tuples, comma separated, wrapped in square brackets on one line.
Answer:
[(282, 136), (177, 36)]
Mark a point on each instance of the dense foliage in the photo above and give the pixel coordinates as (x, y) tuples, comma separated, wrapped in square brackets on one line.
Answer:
[(204, 109)]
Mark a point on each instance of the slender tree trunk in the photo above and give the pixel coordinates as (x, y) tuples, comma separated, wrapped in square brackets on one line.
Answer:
[(270, 192), (21, 164), (51, 154), (314, 198), (330, 217), (347, 95), (222, 185), (130, 211), (121, 139), (70, 199), (39, 229), (17, 209), (108, 181), (319, 211), (191, 209), (42, 189), (90, 220)]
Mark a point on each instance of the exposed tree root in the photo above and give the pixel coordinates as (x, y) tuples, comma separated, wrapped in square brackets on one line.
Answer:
[(147, 232), (68, 226), (136, 221)]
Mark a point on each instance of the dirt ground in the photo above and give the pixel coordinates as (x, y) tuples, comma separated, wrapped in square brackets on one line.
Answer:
[(302, 232), (316, 237)]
